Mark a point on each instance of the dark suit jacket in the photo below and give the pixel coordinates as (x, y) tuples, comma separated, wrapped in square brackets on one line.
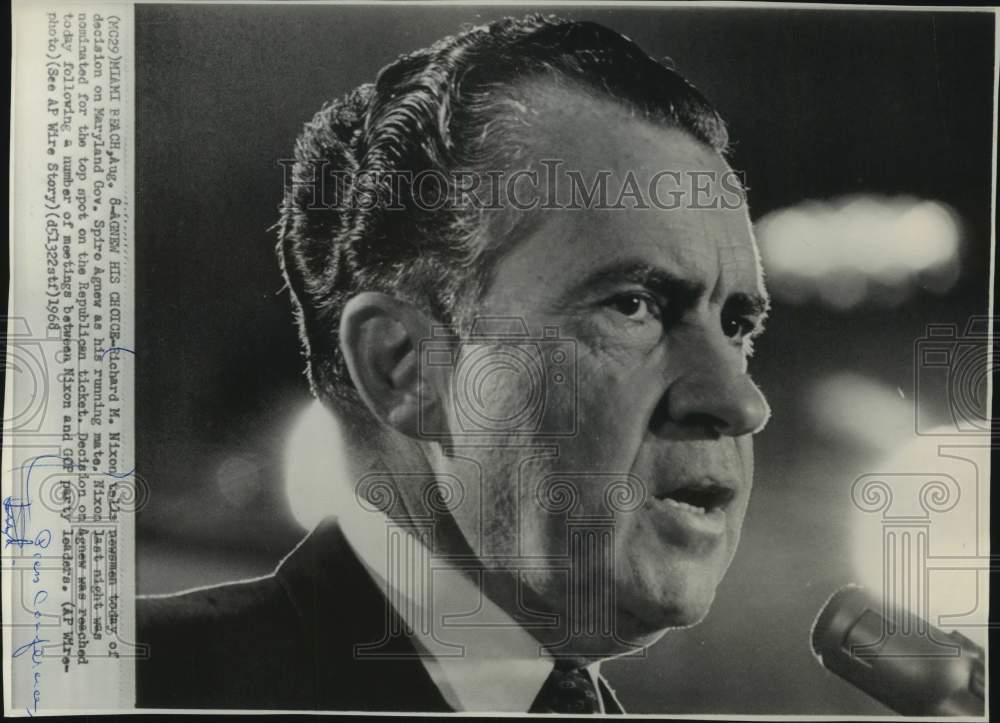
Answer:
[(286, 641)]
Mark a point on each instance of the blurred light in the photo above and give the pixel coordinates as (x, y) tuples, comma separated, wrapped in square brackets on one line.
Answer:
[(238, 478), (860, 248), (945, 587), (315, 472), (956, 594), (861, 410)]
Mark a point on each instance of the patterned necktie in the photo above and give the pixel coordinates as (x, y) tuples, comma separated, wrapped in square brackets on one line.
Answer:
[(567, 690)]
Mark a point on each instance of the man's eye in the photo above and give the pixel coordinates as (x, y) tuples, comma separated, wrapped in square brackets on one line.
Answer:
[(737, 326), (636, 307)]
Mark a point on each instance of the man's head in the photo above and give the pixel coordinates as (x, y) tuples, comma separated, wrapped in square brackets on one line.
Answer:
[(590, 394)]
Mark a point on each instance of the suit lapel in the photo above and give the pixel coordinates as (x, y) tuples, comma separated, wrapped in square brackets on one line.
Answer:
[(362, 659)]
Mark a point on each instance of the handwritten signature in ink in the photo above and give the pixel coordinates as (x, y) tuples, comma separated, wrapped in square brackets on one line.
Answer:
[(34, 647)]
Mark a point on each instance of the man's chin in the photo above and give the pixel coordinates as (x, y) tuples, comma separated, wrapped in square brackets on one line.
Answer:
[(648, 615), (633, 633)]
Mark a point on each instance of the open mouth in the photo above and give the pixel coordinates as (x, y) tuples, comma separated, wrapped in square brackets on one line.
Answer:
[(700, 498)]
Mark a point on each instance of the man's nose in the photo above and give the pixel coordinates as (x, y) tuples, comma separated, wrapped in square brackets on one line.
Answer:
[(712, 398)]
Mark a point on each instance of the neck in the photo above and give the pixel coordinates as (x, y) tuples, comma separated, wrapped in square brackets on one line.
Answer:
[(336, 452)]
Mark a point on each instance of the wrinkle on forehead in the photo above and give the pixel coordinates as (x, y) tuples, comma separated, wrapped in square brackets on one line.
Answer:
[(712, 246), (588, 134)]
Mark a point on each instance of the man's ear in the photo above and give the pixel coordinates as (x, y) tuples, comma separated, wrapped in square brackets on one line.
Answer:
[(380, 340)]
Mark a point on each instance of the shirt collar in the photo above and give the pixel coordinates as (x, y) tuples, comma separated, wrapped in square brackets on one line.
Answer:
[(476, 654)]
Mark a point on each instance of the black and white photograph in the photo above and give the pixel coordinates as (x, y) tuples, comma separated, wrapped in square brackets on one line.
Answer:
[(615, 359)]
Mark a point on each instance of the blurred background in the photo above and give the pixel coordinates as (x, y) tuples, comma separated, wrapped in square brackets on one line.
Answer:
[(866, 139)]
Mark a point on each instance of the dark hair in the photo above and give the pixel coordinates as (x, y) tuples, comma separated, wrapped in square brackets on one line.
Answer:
[(439, 109)]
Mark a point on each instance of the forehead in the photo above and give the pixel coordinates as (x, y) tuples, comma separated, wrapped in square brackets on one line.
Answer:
[(694, 236)]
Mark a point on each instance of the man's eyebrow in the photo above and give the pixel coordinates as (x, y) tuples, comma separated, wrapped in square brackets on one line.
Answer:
[(680, 291)]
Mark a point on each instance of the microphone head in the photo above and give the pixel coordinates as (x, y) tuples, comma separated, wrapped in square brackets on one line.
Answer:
[(840, 609), (896, 657)]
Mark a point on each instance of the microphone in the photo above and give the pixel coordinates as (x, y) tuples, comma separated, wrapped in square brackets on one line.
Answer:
[(897, 658)]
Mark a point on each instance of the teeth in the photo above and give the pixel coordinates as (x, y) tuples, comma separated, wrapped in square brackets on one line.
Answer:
[(685, 506)]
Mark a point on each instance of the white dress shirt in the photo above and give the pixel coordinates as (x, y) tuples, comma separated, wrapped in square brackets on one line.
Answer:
[(490, 664)]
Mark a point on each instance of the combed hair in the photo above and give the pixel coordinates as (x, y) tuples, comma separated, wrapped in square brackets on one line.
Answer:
[(442, 108)]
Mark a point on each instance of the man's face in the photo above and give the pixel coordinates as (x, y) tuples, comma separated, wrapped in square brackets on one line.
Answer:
[(656, 306)]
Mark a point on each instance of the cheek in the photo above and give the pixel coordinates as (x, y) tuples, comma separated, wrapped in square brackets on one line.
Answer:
[(615, 403), (744, 449), (487, 515), (516, 390), (593, 413)]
